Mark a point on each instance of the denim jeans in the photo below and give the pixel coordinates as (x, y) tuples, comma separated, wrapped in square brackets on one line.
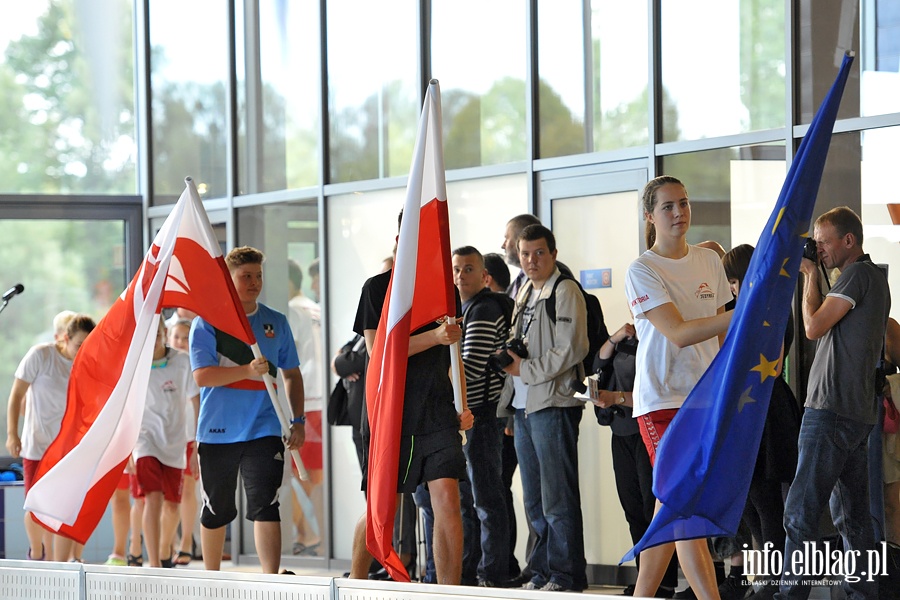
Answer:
[(547, 447), (485, 465), (833, 462)]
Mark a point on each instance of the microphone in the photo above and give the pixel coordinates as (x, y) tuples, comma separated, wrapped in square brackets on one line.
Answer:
[(13, 291)]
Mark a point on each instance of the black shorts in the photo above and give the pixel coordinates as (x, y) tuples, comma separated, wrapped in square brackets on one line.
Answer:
[(425, 458), (261, 465)]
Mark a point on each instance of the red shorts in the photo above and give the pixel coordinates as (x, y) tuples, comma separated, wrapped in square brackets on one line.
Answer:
[(653, 425), (153, 476), (136, 491), (191, 448), (29, 467), (311, 451), (124, 481)]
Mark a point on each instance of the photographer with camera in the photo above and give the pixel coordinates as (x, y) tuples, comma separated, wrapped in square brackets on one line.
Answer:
[(841, 400), (546, 357)]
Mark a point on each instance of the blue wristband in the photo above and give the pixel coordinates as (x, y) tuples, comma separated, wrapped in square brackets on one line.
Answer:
[(301, 420)]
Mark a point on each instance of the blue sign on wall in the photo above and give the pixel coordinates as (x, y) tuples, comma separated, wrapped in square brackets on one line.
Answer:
[(596, 278)]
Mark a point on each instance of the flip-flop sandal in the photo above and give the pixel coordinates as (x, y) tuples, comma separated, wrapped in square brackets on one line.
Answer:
[(183, 558), (135, 561), (301, 549)]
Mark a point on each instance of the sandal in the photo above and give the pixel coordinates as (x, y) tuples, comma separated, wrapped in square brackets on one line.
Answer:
[(182, 558), (43, 554), (301, 549), (135, 561)]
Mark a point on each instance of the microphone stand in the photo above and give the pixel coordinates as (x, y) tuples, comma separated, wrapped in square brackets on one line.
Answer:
[(2, 306)]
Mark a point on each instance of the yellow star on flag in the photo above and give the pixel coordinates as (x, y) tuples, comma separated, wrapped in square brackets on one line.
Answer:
[(783, 272), (766, 368)]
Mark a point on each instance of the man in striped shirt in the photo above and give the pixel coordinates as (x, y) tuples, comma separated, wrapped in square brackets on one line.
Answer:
[(486, 316)]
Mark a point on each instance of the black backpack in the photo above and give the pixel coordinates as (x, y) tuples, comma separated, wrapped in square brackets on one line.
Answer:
[(596, 329)]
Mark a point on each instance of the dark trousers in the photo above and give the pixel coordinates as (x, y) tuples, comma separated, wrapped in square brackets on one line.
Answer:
[(634, 485), (510, 463)]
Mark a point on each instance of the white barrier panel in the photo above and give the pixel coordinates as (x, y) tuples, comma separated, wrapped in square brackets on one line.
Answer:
[(39, 580), (116, 583), (358, 589), (30, 580)]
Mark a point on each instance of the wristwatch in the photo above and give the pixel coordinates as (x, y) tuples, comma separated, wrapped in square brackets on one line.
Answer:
[(621, 399), (301, 420)]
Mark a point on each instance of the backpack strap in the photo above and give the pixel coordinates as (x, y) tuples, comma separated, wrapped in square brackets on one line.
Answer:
[(550, 304)]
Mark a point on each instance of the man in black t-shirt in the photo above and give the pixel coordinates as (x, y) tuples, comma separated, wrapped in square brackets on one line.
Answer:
[(429, 420)]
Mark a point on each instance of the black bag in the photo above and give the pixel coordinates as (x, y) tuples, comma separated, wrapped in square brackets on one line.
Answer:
[(597, 333), (337, 405)]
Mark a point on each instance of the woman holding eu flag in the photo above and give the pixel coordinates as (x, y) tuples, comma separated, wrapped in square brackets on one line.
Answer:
[(677, 294)]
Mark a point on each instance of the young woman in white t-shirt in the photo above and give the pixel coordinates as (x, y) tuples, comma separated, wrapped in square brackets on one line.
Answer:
[(677, 293), (39, 391)]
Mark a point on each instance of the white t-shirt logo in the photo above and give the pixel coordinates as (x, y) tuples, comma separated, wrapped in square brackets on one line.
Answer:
[(704, 292)]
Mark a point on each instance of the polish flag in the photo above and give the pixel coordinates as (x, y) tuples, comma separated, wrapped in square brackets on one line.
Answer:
[(420, 292), (108, 385)]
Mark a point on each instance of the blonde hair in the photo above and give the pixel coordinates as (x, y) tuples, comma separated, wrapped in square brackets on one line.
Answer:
[(61, 321)]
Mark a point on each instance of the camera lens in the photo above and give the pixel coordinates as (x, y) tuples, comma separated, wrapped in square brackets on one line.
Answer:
[(498, 362)]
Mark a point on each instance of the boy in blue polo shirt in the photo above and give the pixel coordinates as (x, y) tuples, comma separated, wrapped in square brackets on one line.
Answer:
[(238, 429)]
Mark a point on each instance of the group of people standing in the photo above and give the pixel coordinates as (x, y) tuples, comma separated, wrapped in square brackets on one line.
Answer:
[(680, 296), (148, 499), (523, 348)]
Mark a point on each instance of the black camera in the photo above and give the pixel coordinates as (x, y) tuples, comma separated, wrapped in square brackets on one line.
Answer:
[(811, 250), (498, 362)]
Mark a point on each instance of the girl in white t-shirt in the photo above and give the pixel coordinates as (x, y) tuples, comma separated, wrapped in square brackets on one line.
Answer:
[(179, 334), (39, 390), (677, 293), (159, 453)]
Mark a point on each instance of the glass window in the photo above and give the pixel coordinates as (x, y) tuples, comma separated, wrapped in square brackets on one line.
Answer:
[(288, 234), (874, 84), (561, 97), (188, 81), (67, 98), (619, 67), (362, 231), (362, 227), (723, 79), (482, 80), (373, 101), (67, 264), (281, 130), (881, 202), (732, 191)]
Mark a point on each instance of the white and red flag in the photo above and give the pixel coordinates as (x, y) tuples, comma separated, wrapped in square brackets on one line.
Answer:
[(108, 386), (420, 292)]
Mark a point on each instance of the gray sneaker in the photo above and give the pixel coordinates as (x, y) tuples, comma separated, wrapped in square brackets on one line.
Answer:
[(552, 586), (531, 586)]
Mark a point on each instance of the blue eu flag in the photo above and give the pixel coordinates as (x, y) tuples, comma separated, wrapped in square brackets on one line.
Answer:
[(706, 457)]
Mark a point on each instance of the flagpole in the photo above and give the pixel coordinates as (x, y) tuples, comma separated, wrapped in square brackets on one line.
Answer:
[(459, 396), (282, 418)]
